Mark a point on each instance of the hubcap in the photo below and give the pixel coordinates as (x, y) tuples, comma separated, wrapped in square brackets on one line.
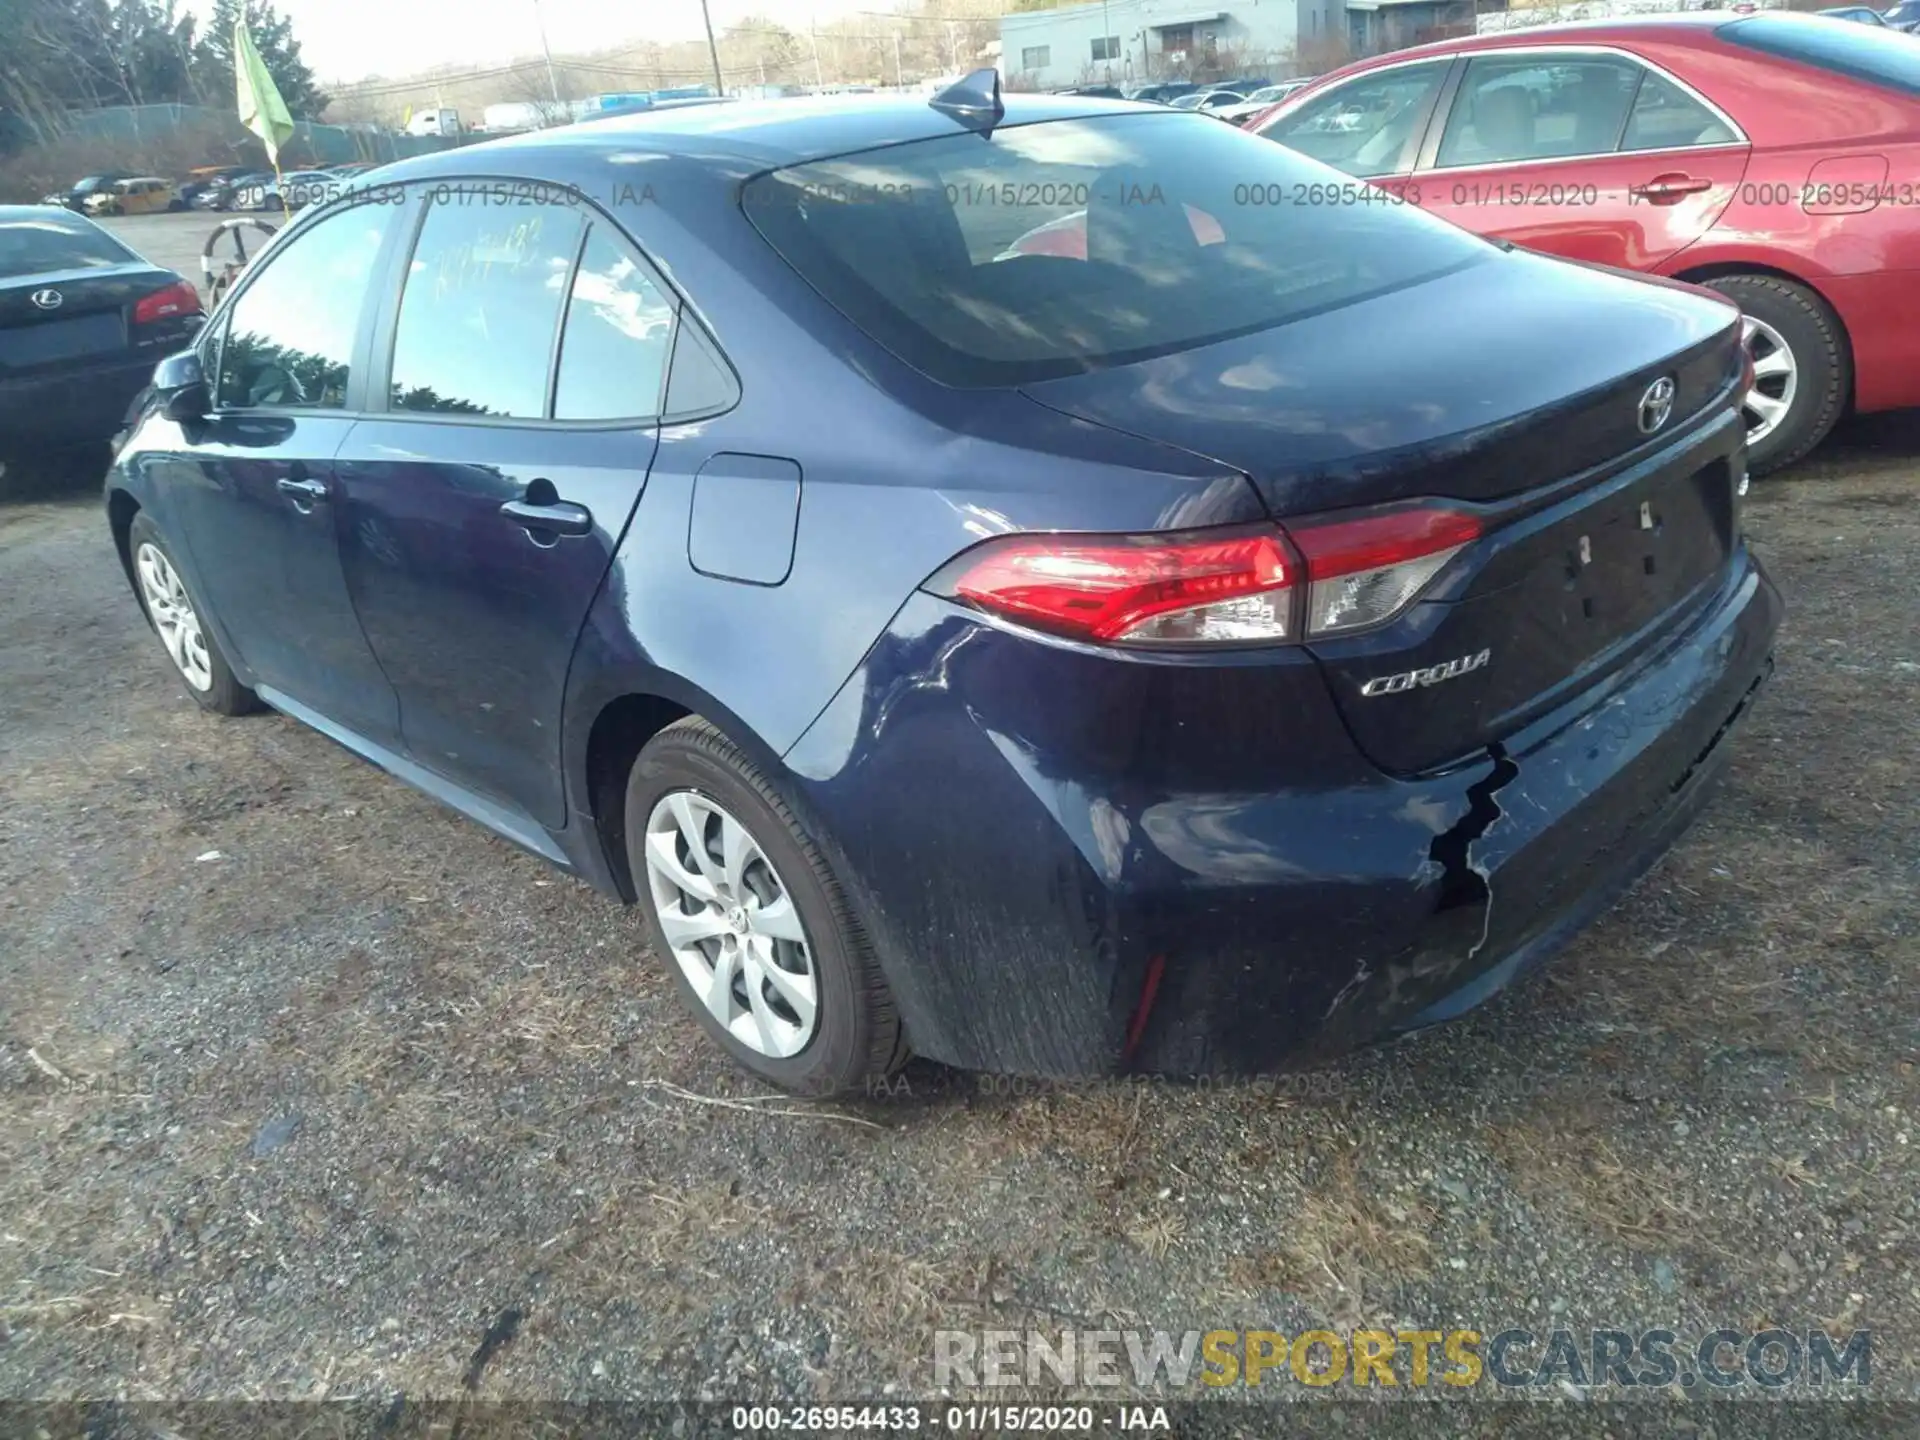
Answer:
[(1776, 378), (173, 616), (731, 924)]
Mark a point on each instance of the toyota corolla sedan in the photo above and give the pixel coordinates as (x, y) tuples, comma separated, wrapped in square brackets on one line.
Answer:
[(1203, 654), (1774, 157)]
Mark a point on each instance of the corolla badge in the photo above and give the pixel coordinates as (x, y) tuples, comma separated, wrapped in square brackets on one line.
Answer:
[(47, 299), (1430, 675), (1656, 406)]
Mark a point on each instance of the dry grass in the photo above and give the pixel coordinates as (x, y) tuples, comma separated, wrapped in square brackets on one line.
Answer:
[(1642, 1203), (1344, 1249)]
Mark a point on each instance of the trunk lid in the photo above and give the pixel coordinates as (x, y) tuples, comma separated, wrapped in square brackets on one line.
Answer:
[(90, 321), (1515, 388)]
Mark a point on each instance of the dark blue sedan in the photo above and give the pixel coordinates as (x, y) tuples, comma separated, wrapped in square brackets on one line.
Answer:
[(1271, 626)]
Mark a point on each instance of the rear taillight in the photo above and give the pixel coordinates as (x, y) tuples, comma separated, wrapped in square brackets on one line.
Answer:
[(1215, 587), (1368, 569), (177, 299)]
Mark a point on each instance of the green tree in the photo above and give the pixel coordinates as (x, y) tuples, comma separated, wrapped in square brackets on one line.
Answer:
[(273, 38)]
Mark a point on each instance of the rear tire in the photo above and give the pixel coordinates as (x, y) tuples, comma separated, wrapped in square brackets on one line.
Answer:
[(1801, 358), (787, 983), (178, 619)]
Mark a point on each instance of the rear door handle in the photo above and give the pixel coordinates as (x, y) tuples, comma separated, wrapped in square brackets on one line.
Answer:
[(560, 517), (304, 493), (1665, 189)]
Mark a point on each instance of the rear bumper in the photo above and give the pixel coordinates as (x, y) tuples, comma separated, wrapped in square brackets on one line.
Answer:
[(72, 408), (1071, 864)]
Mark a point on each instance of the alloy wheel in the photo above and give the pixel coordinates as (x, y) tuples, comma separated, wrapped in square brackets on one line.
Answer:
[(730, 922), (1776, 378), (174, 617)]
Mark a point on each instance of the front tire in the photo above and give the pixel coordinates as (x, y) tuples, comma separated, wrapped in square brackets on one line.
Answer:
[(176, 618), (746, 914), (1803, 373)]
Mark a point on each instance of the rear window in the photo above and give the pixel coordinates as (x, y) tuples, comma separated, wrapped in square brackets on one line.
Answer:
[(54, 241), (1071, 245), (1866, 52)]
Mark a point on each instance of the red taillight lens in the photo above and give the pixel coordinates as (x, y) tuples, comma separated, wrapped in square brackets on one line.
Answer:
[(176, 299), (1367, 569), (1215, 588), (1195, 589)]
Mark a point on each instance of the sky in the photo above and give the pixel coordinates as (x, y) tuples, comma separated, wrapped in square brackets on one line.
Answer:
[(349, 39)]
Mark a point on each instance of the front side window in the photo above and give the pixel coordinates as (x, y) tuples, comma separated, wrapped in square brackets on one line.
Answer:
[(613, 354), (290, 333), (1539, 107), (481, 308), (1055, 248), (1366, 125)]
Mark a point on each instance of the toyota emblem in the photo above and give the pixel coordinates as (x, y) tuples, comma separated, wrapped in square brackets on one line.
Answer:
[(47, 299), (1656, 406)]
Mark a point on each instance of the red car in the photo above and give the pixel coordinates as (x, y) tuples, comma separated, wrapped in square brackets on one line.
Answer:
[(1772, 156)]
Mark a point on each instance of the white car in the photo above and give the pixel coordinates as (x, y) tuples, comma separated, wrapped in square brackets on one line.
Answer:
[(1211, 101)]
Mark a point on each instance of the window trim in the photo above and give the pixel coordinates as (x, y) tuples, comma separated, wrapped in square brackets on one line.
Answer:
[(1437, 123), (387, 325), (221, 322)]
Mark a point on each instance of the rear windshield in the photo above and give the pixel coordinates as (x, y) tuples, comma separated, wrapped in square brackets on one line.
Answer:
[(1056, 248), (1866, 52), (52, 241)]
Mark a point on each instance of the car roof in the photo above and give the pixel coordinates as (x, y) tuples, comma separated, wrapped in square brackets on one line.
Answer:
[(1604, 28), (11, 213), (761, 134)]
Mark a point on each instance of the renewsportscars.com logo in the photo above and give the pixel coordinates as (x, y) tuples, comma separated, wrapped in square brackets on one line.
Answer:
[(1516, 1358)]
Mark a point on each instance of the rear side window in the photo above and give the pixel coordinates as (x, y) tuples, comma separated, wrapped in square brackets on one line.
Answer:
[(55, 241), (481, 309), (1874, 53), (290, 333), (1542, 108), (1665, 117), (613, 356), (1056, 248)]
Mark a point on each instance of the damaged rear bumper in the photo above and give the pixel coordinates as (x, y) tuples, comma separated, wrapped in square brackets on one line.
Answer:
[(1070, 865)]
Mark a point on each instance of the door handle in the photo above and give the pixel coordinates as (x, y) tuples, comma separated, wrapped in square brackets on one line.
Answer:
[(304, 493), (557, 517), (1666, 189)]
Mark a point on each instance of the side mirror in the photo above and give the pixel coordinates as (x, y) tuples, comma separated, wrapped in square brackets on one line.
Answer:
[(180, 382)]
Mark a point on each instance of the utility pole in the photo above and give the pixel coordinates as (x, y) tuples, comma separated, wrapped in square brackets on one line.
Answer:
[(719, 83), (899, 75), (818, 82), (1106, 29), (553, 81)]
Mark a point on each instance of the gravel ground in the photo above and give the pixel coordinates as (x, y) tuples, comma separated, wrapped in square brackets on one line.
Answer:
[(309, 1087)]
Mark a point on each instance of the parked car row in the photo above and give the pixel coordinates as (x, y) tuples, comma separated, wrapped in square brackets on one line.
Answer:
[(211, 187)]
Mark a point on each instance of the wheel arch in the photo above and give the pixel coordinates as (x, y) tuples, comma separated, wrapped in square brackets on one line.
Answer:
[(121, 510), (625, 716), (1727, 269)]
